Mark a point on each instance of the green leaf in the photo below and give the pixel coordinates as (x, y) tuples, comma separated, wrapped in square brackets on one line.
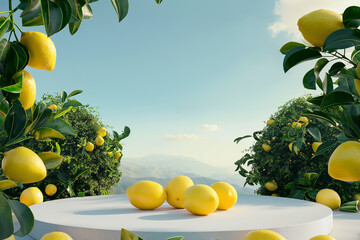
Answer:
[(297, 193), (121, 8), (255, 135), (175, 238), (337, 98), (319, 65), (74, 27), (335, 68), (320, 115), (17, 87), (311, 176), (289, 46), (289, 186), (326, 146), (15, 121), (237, 140), (87, 12), (74, 93), (127, 235), (6, 220), (4, 50), (63, 96), (7, 184), (58, 148), (62, 112), (315, 133), (347, 73), (66, 12), (71, 103), (62, 177), (31, 16), (125, 133), (52, 16), (24, 217), (328, 84), (341, 39), (60, 126), (44, 133), (304, 181), (350, 206), (17, 59), (312, 193), (351, 17), (355, 56), (4, 25), (298, 55), (309, 80), (50, 159)]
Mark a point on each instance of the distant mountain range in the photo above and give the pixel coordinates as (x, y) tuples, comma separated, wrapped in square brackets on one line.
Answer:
[(161, 168)]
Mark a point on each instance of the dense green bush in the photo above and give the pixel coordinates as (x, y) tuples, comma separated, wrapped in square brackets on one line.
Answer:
[(80, 173), (286, 167)]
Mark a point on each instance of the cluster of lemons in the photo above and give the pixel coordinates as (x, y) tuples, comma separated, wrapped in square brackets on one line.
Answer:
[(180, 192), (99, 141)]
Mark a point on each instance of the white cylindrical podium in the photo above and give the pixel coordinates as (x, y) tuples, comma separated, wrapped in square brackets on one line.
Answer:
[(102, 217)]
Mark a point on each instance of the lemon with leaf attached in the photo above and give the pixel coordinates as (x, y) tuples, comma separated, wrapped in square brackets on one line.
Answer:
[(316, 26), (41, 49), (23, 165)]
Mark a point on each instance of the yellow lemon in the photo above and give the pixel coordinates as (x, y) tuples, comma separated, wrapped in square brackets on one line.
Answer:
[(50, 189), (89, 147), (53, 106), (358, 70), (357, 85), (117, 155), (328, 197), (304, 120), (200, 199), (99, 141), (315, 146), (316, 26), (28, 92), (56, 236), (146, 195), (227, 195), (271, 186), (296, 125), (274, 195), (269, 122), (31, 196), (41, 49), (101, 132), (23, 165), (264, 235), (175, 189), (344, 163), (266, 147), (322, 237), (10, 238)]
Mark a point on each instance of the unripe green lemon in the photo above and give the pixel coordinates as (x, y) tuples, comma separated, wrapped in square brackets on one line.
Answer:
[(146, 195), (200, 199), (316, 26), (31, 196), (328, 197), (23, 165)]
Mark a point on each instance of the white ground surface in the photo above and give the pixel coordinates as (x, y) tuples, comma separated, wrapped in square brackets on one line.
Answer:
[(105, 215)]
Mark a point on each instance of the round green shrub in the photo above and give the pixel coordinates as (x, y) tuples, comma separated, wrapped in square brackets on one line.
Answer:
[(80, 173), (285, 167)]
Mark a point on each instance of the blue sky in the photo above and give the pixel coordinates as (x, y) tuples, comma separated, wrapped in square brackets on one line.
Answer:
[(187, 76)]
